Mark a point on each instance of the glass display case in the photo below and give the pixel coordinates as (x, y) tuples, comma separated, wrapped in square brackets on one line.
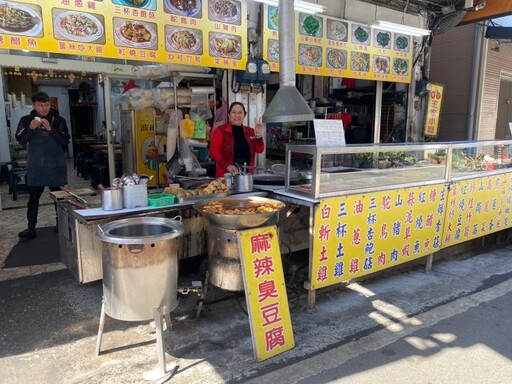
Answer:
[(336, 171), (472, 159)]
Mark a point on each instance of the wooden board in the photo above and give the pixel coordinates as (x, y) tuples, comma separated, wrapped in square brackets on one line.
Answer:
[(58, 195)]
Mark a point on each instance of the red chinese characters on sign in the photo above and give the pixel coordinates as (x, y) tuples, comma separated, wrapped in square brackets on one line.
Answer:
[(435, 99), (267, 291)]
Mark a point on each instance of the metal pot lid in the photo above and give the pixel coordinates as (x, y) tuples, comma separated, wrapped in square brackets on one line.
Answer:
[(140, 230)]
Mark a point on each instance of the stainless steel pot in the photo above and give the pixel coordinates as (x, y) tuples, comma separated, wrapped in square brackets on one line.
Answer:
[(243, 182), (140, 266), (111, 199)]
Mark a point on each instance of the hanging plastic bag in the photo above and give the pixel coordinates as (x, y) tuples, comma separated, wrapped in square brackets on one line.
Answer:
[(187, 127), (199, 129)]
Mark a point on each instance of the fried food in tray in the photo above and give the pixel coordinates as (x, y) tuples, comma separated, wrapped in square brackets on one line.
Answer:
[(213, 189), (241, 207)]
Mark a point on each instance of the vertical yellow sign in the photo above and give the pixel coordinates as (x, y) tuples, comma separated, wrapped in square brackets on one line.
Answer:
[(435, 100), (477, 207), (361, 234), (147, 144), (265, 292)]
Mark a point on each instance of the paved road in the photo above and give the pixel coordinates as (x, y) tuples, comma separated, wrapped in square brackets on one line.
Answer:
[(467, 341), (452, 325)]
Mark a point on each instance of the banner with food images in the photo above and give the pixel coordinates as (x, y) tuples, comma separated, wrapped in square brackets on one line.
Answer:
[(326, 46), (195, 32)]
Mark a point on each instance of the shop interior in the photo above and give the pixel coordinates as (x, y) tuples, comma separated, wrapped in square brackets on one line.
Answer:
[(80, 100)]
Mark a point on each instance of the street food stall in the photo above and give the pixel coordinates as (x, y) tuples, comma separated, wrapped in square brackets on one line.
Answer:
[(375, 207)]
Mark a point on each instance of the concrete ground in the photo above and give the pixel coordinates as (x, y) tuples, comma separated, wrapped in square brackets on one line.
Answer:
[(49, 323)]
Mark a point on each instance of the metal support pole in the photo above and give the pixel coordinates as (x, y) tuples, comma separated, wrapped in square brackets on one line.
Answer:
[(428, 265), (164, 372), (100, 327)]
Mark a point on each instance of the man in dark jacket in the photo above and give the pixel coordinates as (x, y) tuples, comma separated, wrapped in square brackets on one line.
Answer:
[(44, 132)]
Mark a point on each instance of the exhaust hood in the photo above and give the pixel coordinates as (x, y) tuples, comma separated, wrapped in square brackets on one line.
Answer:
[(288, 105)]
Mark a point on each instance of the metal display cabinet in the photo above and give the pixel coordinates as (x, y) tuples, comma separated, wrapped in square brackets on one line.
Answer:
[(360, 172), (473, 159), (338, 171), (358, 169)]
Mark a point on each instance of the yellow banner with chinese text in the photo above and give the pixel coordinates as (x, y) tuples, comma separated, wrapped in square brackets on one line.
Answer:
[(196, 32), (477, 207), (325, 46), (361, 234), (265, 292)]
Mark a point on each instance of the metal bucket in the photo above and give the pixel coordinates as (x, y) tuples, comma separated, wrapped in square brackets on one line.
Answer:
[(244, 183), (140, 266), (111, 199)]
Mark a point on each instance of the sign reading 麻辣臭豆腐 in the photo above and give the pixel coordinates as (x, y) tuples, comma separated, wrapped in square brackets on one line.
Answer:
[(265, 292)]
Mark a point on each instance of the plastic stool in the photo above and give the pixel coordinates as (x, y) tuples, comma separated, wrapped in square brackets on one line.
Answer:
[(5, 168), (14, 177)]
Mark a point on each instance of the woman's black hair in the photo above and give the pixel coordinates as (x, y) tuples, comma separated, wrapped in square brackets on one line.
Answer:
[(236, 103)]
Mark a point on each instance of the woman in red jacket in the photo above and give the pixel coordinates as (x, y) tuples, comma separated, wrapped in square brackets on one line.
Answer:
[(234, 143)]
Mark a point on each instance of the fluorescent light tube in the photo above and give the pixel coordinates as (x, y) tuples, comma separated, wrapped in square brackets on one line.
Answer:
[(400, 28), (301, 6)]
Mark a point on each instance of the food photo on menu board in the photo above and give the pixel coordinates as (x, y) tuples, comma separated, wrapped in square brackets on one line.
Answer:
[(401, 43), (337, 30), (225, 11), (225, 45), (400, 66), (143, 4), (360, 61), (336, 58), (78, 26), (189, 8), (382, 39), (183, 40), (310, 55), (273, 18), (360, 34), (381, 64), (135, 34), (21, 19), (273, 50), (310, 25)]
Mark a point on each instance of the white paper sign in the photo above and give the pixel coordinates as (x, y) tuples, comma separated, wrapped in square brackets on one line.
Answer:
[(329, 133)]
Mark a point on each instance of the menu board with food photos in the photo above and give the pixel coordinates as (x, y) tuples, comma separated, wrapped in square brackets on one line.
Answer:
[(325, 46), (195, 32)]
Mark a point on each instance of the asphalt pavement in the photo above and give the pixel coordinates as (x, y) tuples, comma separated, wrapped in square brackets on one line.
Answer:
[(450, 325)]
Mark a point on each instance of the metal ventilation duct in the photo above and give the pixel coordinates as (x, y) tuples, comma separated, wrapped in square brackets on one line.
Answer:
[(288, 105)]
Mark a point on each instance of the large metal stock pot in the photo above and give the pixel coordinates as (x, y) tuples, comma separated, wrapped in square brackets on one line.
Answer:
[(140, 266), (223, 249)]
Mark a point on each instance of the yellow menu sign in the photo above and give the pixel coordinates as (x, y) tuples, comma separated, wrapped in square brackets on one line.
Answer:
[(361, 234), (477, 207), (194, 32), (265, 292), (325, 46)]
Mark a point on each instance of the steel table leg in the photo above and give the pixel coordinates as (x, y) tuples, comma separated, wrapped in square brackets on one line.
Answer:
[(100, 327)]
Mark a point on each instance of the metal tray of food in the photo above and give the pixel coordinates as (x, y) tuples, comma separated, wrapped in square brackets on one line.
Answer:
[(237, 211), (194, 198)]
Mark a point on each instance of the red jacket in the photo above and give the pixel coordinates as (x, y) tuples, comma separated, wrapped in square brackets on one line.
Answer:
[(221, 147)]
